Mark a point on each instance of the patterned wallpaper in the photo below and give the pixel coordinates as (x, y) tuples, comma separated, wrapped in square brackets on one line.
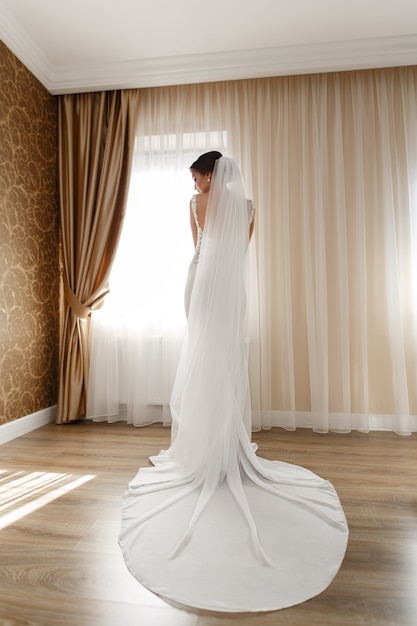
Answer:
[(29, 270)]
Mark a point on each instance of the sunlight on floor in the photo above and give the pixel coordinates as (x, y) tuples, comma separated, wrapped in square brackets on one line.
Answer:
[(22, 492), (412, 578)]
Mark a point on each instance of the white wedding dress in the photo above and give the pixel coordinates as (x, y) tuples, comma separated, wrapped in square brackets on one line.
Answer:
[(212, 525)]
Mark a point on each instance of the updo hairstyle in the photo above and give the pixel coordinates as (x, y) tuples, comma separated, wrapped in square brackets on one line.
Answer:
[(205, 163)]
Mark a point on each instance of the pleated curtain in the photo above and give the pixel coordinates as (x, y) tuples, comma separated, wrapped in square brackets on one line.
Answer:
[(96, 138)]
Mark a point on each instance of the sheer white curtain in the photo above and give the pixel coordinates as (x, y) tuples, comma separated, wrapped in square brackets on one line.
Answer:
[(136, 337), (331, 163)]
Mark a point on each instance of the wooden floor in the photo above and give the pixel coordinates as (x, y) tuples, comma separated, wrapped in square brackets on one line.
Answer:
[(60, 502)]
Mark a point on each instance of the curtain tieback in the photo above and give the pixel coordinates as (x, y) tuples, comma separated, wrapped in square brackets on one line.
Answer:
[(79, 309)]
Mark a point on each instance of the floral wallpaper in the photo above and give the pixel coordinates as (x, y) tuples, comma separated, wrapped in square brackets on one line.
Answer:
[(29, 270)]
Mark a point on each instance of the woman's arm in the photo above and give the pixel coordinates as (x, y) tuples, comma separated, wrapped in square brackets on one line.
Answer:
[(193, 226)]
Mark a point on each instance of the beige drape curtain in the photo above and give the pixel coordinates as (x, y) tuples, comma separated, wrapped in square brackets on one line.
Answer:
[(96, 139), (330, 161)]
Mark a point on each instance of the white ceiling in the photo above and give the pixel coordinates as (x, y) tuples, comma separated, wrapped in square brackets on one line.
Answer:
[(88, 45)]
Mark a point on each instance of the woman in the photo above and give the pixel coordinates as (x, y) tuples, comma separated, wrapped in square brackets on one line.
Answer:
[(202, 172), (212, 525)]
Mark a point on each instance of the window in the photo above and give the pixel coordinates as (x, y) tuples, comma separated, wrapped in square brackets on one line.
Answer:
[(137, 335)]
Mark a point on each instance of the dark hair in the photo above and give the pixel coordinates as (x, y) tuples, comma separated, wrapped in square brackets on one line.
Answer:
[(205, 162)]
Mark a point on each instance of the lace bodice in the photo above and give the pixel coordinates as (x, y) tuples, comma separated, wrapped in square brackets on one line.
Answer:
[(199, 229)]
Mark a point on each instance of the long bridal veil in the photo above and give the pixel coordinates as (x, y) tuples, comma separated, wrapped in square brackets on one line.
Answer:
[(211, 524)]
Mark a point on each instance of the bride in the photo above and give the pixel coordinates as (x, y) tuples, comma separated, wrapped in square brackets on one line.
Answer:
[(212, 525)]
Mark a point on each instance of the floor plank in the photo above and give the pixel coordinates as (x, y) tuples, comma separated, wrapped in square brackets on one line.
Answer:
[(61, 563)]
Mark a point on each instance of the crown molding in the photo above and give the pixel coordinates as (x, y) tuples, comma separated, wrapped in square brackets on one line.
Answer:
[(24, 48), (240, 64), (199, 68)]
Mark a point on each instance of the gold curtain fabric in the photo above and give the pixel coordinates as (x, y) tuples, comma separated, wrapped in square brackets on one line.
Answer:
[(96, 139)]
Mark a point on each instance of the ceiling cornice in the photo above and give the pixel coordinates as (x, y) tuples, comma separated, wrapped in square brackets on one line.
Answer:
[(217, 66), (23, 46), (239, 64)]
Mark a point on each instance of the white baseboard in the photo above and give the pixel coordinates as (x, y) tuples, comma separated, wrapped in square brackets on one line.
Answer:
[(23, 425)]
